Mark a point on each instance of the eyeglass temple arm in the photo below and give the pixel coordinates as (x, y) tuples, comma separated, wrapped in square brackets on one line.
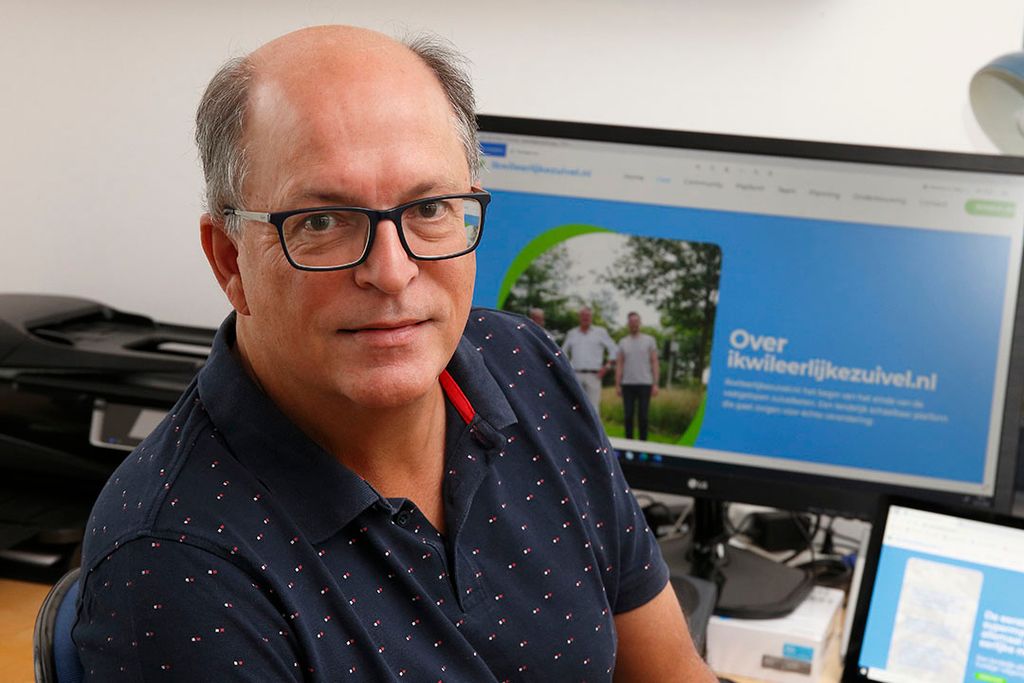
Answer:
[(248, 215)]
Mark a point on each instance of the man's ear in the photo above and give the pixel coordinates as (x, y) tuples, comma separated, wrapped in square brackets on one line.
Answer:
[(222, 253)]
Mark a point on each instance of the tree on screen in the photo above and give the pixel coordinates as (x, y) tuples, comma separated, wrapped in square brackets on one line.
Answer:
[(679, 279), (546, 284)]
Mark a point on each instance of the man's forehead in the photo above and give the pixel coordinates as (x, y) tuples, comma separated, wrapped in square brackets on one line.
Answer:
[(369, 78), (332, 105), (325, 47), (311, 71)]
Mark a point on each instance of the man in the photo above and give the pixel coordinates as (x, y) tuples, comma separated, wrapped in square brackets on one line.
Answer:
[(360, 485), (591, 351), (636, 374)]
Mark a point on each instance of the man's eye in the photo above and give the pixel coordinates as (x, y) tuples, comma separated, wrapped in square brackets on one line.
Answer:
[(431, 210), (319, 222)]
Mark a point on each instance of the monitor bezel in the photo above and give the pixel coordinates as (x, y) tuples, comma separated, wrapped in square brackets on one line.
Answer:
[(788, 489)]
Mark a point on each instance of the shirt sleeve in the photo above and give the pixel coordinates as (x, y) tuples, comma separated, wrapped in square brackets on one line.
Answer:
[(160, 609), (610, 345), (567, 343), (642, 569), (636, 572)]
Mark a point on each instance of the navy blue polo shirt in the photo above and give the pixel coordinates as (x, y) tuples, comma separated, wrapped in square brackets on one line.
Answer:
[(230, 546)]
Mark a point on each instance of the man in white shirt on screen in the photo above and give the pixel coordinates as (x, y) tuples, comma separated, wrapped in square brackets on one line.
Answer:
[(591, 351)]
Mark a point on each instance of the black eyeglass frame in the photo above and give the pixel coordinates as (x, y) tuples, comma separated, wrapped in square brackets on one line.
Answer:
[(394, 214)]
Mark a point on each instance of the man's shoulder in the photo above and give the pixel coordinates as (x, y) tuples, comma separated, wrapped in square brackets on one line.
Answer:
[(487, 325), (515, 351), (641, 339), (141, 496)]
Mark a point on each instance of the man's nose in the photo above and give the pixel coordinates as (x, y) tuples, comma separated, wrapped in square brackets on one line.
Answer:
[(387, 267)]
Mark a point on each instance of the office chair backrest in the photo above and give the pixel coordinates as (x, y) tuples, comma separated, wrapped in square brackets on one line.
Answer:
[(56, 659)]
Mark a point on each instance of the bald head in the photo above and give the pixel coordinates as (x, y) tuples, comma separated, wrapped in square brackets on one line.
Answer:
[(304, 66), (342, 38), (329, 56)]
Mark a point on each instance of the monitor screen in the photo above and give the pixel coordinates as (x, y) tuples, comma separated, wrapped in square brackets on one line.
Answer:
[(942, 599), (795, 324)]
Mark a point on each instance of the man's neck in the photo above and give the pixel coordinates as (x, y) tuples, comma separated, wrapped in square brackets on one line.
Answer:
[(399, 450)]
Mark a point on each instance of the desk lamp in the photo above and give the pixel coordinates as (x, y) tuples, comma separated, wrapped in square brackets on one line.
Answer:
[(997, 98)]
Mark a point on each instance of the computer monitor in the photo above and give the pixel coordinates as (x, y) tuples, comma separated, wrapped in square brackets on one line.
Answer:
[(942, 598), (831, 322)]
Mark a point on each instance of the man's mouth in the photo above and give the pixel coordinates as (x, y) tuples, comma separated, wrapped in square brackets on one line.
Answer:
[(385, 325), (384, 333)]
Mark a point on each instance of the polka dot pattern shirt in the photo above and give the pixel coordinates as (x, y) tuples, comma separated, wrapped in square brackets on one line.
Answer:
[(229, 546)]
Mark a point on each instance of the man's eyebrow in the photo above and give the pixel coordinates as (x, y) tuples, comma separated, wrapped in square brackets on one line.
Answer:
[(323, 198), (316, 197)]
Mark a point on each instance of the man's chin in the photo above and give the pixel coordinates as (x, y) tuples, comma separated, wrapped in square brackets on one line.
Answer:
[(389, 388)]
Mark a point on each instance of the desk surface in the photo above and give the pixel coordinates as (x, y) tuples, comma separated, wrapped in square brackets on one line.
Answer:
[(19, 604)]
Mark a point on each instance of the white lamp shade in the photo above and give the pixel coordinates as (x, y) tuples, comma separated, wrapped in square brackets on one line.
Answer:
[(997, 97)]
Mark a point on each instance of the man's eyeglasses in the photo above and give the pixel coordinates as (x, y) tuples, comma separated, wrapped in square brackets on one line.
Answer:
[(338, 237)]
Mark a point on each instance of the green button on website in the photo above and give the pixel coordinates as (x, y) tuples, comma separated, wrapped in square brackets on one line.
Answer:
[(988, 678), (989, 207)]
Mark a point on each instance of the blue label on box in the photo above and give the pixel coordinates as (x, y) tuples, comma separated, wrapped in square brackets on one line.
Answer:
[(804, 654)]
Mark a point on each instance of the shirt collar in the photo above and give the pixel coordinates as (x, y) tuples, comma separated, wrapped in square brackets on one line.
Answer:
[(318, 492), (468, 370), (275, 450)]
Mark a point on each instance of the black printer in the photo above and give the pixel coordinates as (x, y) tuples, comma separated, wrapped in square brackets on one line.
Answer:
[(81, 384)]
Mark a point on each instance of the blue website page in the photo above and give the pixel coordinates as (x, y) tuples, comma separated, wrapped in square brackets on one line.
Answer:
[(812, 338), (948, 602)]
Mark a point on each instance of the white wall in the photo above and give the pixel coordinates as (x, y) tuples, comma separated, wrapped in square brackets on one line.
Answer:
[(99, 183)]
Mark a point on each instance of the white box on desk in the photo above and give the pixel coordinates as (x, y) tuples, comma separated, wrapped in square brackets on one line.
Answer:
[(792, 649)]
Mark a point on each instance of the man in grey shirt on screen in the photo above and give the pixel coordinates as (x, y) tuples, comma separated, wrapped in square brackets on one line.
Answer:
[(636, 375)]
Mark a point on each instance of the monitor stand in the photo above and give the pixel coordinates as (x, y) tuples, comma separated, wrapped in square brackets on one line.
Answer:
[(749, 586)]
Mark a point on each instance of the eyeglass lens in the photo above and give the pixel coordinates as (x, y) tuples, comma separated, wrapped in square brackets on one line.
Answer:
[(434, 229)]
